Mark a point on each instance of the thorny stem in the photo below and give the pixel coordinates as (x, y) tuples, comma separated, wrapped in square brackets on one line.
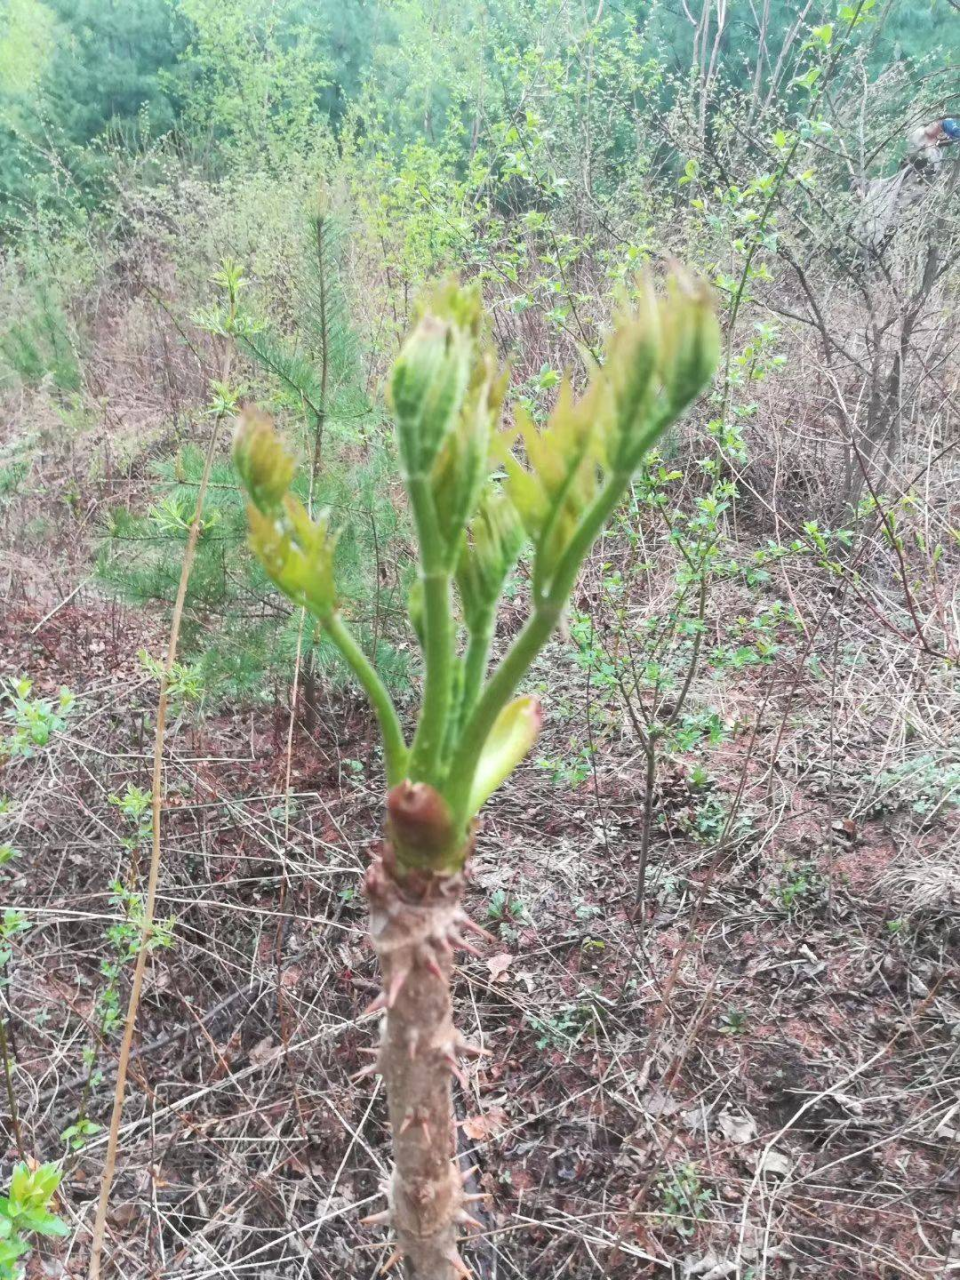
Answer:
[(414, 934)]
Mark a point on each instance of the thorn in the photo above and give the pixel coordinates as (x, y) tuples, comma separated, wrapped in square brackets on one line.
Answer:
[(369, 1053), (464, 920), (415, 1116), (459, 1265), (453, 1066), (396, 986), (391, 1262), (473, 1050), (462, 943), (481, 1195), (376, 1006), (372, 1070), (411, 1119), (413, 1039), (428, 962), (466, 1176), (466, 1220), (380, 1219)]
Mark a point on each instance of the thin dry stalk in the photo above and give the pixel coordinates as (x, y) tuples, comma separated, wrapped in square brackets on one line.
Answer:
[(110, 1161)]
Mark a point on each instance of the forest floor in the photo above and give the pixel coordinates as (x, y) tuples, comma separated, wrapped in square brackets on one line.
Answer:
[(755, 1076)]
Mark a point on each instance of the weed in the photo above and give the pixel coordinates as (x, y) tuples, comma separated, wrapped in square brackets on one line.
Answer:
[(504, 909), (800, 886), (733, 1023), (25, 1212), (568, 1026), (35, 720), (683, 1199)]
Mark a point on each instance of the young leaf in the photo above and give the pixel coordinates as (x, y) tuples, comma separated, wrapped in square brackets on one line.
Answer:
[(461, 465), (266, 468), (297, 553), (487, 556), (513, 734)]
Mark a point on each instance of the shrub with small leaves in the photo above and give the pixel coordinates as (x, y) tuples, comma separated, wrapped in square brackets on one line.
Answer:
[(25, 1212), (34, 720)]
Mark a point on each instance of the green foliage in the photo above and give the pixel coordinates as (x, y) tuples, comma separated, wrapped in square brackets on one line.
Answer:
[(254, 69), (568, 1026), (797, 887), (232, 644), (72, 74), (38, 345), (683, 1198), (25, 1212), (924, 785), (447, 400), (12, 925), (34, 720), (469, 109), (76, 1135)]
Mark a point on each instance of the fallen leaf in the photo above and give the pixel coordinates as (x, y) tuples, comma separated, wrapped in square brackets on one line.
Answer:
[(263, 1051), (775, 1163), (482, 1128), (475, 1127), (499, 964), (736, 1128)]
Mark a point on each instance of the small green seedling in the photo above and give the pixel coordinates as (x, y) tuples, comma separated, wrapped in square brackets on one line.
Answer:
[(34, 720), (733, 1023), (25, 1212)]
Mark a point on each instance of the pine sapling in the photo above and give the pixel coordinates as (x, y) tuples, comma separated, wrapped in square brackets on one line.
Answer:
[(475, 502)]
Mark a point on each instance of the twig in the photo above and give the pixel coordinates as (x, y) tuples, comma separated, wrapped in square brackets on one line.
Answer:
[(110, 1161)]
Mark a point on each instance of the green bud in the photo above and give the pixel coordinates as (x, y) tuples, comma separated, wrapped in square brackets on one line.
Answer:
[(632, 354), (487, 556), (432, 372), (266, 468), (461, 466), (690, 344)]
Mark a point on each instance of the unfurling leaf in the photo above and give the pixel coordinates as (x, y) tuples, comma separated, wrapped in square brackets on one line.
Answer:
[(462, 463), (297, 554), (513, 734), (690, 346), (487, 556), (296, 551), (551, 496), (659, 357)]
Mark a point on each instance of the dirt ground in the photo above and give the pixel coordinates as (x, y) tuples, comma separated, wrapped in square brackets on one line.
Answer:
[(757, 1077)]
